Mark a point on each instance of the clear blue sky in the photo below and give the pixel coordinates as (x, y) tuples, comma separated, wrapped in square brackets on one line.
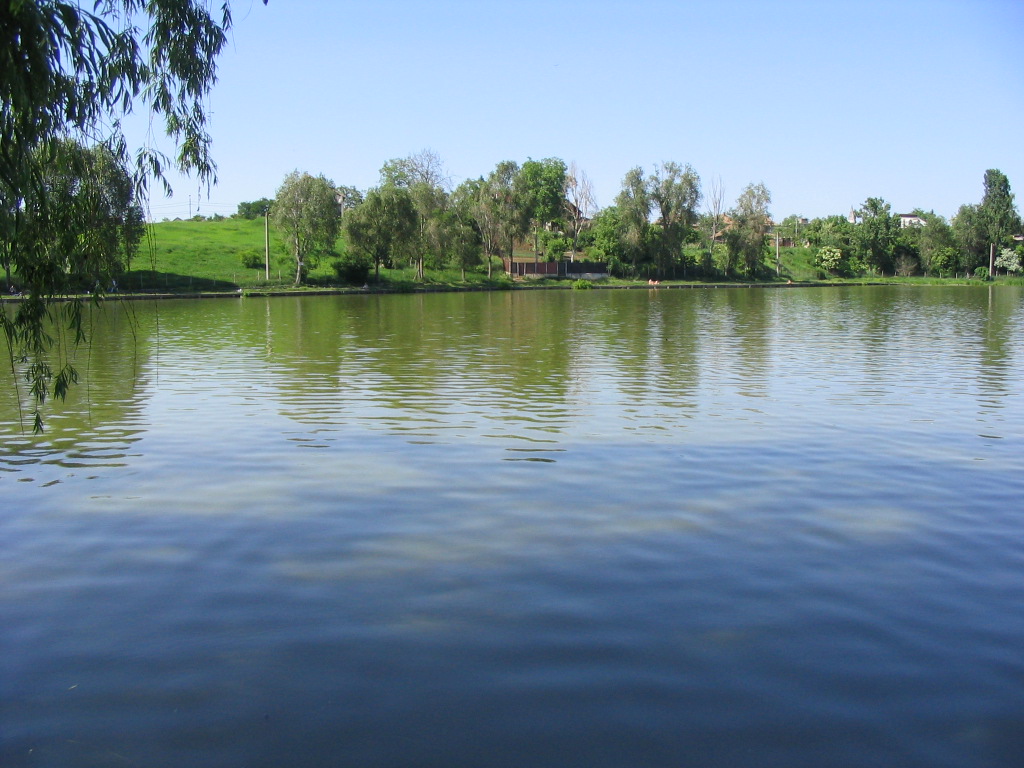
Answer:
[(827, 103)]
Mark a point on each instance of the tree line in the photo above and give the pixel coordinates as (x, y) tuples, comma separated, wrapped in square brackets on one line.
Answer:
[(662, 225), (979, 241)]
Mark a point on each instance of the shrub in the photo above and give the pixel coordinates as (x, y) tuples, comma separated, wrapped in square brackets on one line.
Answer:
[(1008, 260), (830, 258), (981, 273), (351, 270), (252, 259), (582, 285)]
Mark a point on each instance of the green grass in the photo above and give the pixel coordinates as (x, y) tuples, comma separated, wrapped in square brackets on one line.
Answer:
[(207, 255)]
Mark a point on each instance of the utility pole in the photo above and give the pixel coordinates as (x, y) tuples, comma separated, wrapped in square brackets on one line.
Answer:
[(266, 241), (778, 263)]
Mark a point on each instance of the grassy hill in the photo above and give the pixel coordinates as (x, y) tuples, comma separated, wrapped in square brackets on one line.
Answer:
[(206, 255)]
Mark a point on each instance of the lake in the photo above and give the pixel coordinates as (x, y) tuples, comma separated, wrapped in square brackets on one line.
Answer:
[(713, 527)]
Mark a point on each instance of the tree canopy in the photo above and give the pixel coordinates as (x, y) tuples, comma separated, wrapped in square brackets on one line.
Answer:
[(751, 221), (998, 216), (306, 212), (384, 225)]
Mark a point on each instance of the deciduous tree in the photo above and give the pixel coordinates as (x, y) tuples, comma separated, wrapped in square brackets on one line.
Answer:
[(934, 243), (714, 213), (385, 225), (997, 212), (541, 193), (254, 208), (424, 176), (579, 203), (634, 213), (499, 211), (875, 235), (970, 238), (674, 191), (306, 213), (745, 238)]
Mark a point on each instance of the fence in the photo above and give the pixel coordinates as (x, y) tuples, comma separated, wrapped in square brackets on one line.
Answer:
[(555, 268)]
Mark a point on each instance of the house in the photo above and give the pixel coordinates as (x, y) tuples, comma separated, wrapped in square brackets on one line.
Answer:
[(911, 220)]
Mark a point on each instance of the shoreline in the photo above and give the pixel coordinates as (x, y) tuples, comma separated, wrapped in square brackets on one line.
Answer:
[(381, 290)]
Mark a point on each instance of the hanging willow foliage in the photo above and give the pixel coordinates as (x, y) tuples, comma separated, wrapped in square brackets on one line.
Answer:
[(70, 73)]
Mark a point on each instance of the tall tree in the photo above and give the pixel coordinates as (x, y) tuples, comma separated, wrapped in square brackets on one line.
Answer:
[(462, 233), (579, 203), (306, 212), (714, 212), (424, 176), (674, 192), (499, 211), (541, 193), (998, 214), (970, 238), (609, 240), (383, 226), (67, 71), (931, 242), (745, 238), (634, 212), (875, 236)]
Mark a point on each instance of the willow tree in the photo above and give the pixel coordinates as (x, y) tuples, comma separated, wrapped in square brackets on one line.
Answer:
[(68, 72), (383, 226), (674, 192), (500, 212), (83, 218), (745, 237), (634, 207), (423, 174), (306, 213)]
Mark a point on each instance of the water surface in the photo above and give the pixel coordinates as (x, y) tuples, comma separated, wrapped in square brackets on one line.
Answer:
[(607, 528)]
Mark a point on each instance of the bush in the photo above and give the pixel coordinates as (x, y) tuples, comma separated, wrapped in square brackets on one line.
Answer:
[(1009, 261), (981, 273), (582, 285), (352, 270), (829, 258), (252, 259)]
